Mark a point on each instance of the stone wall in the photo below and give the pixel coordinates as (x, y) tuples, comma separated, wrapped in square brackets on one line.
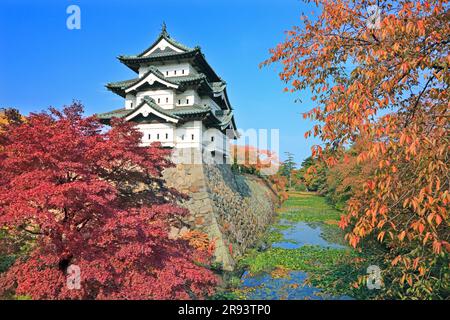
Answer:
[(233, 209)]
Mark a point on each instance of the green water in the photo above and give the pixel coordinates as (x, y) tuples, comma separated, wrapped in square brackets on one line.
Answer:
[(304, 257)]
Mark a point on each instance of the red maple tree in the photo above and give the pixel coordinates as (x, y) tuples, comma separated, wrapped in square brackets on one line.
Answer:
[(94, 199)]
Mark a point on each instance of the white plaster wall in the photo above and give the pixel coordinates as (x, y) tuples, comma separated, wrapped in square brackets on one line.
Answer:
[(214, 140), (176, 70), (130, 101), (150, 133), (207, 101), (171, 70), (165, 97), (187, 98), (163, 44), (187, 130), (192, 134)]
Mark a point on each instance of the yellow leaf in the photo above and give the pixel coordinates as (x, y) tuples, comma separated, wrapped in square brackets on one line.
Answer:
[(381, 236)]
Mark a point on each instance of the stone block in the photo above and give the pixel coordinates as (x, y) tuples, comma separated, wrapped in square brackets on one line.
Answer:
[(199, 221), (200, 195), (231, 209)]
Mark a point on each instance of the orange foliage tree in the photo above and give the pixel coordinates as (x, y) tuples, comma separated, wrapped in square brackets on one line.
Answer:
[(9, 115), (265, 163), (253, 160), (347, 176), (389, 84)]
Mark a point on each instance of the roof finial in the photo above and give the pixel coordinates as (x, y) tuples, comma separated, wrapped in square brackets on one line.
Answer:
[(164, 29)]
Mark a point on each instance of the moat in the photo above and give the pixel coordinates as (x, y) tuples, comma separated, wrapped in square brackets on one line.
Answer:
[(298, 256)]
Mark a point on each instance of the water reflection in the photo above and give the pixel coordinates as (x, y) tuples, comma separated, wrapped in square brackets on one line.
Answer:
[(264, 286), (302, 234), (290, 288)]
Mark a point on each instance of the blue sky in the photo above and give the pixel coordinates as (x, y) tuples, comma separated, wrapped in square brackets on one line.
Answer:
[(42, 63)]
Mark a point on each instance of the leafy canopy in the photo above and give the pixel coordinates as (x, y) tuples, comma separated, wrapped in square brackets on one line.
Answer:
[(94, 199), (389, 87)]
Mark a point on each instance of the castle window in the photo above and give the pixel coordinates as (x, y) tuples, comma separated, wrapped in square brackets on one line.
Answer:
[(182, 71), (192, 136), (131, 105), (157, 136), (212, 138), (149, 136), (159, 100), (182, 137), (167, 100), (167, 73), (167, 136), (179, 101), (175, 72), (187, 101)]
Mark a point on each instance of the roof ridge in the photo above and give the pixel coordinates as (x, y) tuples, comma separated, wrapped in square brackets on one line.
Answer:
[(147, 98), (155, 71), (120, 83), (165, 35), (176, 113), (193, 106), (168, 54), (152, 103), (178, 81), (188, 77)]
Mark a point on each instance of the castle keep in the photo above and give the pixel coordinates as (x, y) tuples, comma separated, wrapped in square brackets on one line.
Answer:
[(177, 99)]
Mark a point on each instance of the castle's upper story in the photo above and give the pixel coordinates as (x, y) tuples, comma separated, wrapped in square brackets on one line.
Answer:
[(175, 97)]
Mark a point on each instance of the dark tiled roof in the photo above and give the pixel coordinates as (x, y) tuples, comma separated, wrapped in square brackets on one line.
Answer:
[(178, 112), (128, 83), (209, 82), (222, 119), (156, 56), (218, 86), (218, 120), (190, 110), (195, 55), (149, 101), (188, 78), (120, 86), (118, 113), (165, 35)]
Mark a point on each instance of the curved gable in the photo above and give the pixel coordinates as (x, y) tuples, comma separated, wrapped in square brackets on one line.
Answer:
[(164, 42), (150, 77), (148, 107)]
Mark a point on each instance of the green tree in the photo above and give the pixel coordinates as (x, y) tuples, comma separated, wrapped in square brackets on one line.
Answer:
[(287, 167)]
